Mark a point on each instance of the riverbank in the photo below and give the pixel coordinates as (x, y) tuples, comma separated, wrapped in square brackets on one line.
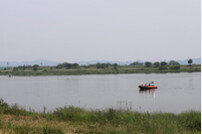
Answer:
[(77, 120), (93, 70)]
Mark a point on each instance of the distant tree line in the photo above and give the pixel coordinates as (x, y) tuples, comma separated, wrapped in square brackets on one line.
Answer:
[(160, 65), (24, 67)]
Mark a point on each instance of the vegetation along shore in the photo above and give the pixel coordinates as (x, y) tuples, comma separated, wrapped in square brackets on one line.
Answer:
[(76, 120), (101, 68)]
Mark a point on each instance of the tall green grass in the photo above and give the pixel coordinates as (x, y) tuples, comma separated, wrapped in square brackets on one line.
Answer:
[(105, 121)]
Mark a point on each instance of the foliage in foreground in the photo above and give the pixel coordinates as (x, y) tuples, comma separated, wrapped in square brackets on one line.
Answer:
[(77, 120)]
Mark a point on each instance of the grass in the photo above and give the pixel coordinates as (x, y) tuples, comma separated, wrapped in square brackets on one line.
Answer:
[(92, 70), (76, 120)]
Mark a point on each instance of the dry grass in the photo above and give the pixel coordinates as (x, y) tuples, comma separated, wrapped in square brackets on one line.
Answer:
[(9, 123)]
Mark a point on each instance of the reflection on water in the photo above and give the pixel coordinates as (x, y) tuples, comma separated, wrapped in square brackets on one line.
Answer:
[(150, 91)]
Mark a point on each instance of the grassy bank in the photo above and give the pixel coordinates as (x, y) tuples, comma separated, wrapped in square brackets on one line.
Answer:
[(93, 70), (76, 120)]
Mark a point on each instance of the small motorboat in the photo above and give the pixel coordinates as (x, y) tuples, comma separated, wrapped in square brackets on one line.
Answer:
[(149, 86)]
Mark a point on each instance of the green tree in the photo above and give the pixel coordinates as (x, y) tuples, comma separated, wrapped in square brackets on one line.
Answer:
[(98, 65), (136, 63), (75, 65), (67, 65), (115, 66), (156, 64), (23, 67), (15, 69), (163, 63), (35, 67), (102, 65), (190, 62), (148, 64), (173, 63)]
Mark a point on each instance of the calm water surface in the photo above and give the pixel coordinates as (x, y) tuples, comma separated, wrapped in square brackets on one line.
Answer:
[(177, 92)]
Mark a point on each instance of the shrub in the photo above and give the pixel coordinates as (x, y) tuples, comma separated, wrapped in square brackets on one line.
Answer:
[(176, 67), (148, 64), (156, 64), (163, 63), (163, 68)]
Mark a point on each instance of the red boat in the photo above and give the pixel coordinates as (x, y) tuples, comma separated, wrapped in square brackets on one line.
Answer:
[(149, 86)]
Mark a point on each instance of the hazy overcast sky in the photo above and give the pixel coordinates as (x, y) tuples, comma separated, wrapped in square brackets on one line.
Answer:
[(82, 30)]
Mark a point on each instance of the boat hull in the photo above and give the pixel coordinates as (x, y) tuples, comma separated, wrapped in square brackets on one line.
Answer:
[(148, 87)]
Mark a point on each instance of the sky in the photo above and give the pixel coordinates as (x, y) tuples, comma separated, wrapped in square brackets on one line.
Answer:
[(84, 30)]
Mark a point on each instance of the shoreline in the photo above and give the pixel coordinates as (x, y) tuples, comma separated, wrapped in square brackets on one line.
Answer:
[(94, 72), (24, 75)]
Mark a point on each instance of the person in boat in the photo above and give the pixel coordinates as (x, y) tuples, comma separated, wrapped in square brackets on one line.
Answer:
[(145, 84)]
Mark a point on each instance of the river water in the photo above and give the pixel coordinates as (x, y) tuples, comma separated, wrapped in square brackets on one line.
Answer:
[(177, 92)]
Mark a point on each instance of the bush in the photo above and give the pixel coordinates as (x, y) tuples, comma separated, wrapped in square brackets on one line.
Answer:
[(102, 65), (173, 63), (176, 67), (35, 67), (15, 69), (156, 64), (67, 65), (148, 64), (163, 63), (163, 68), (45, 70)]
